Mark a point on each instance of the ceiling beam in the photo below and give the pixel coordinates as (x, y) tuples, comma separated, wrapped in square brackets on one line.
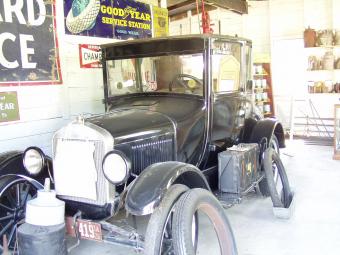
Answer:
[(179, 6)]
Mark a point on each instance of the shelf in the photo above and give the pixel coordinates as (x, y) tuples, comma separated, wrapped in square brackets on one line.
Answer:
[(260, 74), (260, 89), (335, 94), (262, 101), (324, 47), (324, 70)]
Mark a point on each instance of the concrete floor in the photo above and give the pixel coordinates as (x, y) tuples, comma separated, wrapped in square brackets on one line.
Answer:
[(314, 227)]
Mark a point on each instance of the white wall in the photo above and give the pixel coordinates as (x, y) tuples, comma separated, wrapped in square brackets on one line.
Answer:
[(46, 108)]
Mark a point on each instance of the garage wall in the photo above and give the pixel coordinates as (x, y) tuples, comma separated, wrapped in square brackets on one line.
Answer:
[(46, 108), (254, 26), (294, 106)]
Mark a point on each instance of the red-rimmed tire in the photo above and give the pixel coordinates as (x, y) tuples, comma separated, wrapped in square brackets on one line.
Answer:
[(159, 235), (196, 201)]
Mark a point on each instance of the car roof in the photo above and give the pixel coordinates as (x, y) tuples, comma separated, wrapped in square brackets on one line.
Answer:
[(163, 45), (177, 37)]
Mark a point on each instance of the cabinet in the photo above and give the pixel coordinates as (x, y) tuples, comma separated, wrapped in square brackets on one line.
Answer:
[(323, 69), (336, 131), (263, 91)]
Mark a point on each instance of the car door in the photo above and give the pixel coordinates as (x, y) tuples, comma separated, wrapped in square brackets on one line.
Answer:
[(228, 89)]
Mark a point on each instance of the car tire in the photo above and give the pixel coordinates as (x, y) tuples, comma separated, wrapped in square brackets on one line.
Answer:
[(159, 219), (13, 204), (276, 177), (188, 205), (263, 184)]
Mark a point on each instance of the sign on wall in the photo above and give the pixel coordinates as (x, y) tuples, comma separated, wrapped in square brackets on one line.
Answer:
[(121, 19), (28, 52), (160, 21), (9, 108), (90, 56)]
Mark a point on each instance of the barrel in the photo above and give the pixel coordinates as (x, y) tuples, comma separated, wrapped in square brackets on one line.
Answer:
[(44, 230), (41, 240)]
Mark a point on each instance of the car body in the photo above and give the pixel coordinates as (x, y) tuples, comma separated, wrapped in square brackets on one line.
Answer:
[(172, 104)]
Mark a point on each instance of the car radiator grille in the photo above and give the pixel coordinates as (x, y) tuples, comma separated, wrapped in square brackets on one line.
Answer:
[(101, 184), (149, 151)]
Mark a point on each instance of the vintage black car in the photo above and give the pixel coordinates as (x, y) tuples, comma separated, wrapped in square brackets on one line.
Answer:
[(172, 105)]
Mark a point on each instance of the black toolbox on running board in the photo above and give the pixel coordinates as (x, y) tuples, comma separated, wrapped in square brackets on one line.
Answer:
[(237, 168)]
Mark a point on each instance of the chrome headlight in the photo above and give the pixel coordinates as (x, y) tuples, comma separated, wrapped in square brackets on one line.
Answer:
[(34, 160), (116, 167)]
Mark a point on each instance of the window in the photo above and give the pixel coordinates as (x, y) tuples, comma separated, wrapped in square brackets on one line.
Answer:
[(226, 63), (172, 74)]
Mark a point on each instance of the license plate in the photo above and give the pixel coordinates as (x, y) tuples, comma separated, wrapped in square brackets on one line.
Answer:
[(89, 230)]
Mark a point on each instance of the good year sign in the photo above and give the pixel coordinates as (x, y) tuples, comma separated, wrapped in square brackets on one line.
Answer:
[(27, 42)]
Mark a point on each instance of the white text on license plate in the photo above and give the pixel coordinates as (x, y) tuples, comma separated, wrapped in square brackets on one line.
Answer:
[(89, 230)]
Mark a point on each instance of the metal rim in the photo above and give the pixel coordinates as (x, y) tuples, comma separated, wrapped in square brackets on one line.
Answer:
[(278, 181), (276, 174), (167, 233), (166, 240), (13, 201)]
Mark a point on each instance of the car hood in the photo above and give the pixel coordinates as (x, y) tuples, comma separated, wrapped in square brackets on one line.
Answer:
[(133, 123)]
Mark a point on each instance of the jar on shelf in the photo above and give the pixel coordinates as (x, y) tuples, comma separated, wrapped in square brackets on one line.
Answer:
[(337, 37), (337, 64), (328, 86), (328, 61), (325, 37), (258, 97), (266, 108), (309, 36), (313, 63), (258, 69), (336, 87), (258, 83), (310, 85), (318, 87)]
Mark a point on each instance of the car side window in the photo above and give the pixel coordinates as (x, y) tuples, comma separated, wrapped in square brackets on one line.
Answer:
[(226, 62)]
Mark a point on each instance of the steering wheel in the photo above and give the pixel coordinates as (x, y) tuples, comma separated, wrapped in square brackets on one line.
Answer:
[(178, 78)]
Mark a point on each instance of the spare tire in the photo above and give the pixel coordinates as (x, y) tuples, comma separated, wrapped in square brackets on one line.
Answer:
[(276, 178), (263, 185)]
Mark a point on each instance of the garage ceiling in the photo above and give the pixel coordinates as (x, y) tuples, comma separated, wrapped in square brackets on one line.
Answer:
[(180, 6)]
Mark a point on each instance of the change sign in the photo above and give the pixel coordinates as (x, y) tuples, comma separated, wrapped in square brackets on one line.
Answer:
[(9, 109), (27, 42)]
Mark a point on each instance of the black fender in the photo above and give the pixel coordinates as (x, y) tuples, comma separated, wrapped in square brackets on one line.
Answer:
[(266, 128), (148, 189), (9, 179), (11, 162)]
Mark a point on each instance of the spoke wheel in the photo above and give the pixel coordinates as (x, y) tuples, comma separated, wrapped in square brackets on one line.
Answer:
[(14, 194)]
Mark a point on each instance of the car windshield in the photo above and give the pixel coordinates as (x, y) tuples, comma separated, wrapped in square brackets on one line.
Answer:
[(172, 74)]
